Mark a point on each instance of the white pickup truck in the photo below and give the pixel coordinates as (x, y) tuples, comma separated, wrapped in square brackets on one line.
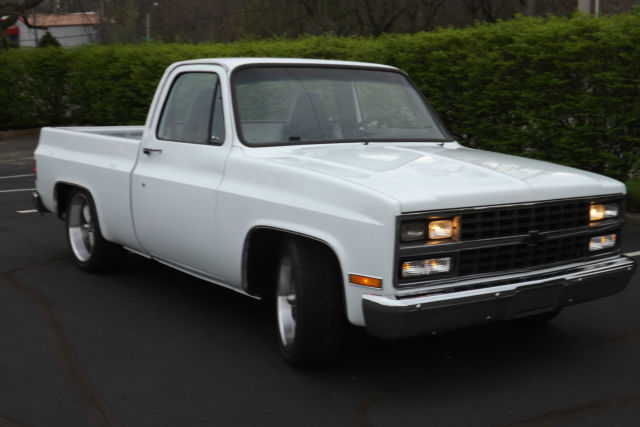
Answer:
[(332, 189)]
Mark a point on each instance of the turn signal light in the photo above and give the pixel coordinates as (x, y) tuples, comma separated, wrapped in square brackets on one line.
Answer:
[(426, 267), (370, 282), (607, 241)]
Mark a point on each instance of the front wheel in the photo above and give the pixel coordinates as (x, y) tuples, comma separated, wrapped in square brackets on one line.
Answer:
[(309, 303), (90, 251)]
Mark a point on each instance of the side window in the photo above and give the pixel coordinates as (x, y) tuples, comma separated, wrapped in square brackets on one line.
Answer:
[(193, 110)]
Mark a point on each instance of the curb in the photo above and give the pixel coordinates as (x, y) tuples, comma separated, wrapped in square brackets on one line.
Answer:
[(11, 133)]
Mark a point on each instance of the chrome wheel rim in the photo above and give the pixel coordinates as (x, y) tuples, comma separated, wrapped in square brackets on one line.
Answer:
[(286, 303), (81, 227)]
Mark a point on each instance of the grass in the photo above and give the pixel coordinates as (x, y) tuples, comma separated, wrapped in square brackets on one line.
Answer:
[(633, 195)]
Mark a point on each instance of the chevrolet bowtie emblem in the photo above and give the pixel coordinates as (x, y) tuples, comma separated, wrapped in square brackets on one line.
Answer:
[(533, 238)]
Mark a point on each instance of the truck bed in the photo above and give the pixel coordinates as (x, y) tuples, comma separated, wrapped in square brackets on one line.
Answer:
[(98, 159), (128, 132)]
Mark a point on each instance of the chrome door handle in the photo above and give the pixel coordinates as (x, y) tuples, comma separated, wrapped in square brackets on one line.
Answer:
[(148, 151)]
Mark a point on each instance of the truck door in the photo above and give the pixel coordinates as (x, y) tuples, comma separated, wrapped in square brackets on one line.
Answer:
[(176, 179)]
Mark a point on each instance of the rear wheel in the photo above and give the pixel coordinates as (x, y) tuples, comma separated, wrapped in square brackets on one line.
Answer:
[(309, 303), (90, 251)]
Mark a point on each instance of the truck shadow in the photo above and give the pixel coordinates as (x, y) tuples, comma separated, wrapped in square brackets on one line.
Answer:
[(249, 320), (173, 335)]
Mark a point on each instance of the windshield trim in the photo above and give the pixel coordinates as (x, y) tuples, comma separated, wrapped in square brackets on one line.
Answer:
[(236, 116)]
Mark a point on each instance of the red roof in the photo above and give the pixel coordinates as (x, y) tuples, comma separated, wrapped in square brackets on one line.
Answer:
[(65, 20)]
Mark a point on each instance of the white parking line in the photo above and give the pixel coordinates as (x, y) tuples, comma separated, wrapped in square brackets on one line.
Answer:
[(17, 190), (17, 176), (632, 254), (16, 160), (28, 211)]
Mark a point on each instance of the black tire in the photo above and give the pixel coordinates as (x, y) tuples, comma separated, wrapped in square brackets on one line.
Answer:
[(309, 303), (90, 251)]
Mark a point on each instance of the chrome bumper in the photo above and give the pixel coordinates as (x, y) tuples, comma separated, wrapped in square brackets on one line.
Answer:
[(396, 318), (37, 203)]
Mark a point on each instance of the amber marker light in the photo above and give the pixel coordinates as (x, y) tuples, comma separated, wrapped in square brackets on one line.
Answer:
[(607, 241), (426, 267), (370, 282)]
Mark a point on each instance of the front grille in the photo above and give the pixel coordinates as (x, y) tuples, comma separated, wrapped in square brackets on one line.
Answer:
[(519, 220), (522, 256), (509, 239)]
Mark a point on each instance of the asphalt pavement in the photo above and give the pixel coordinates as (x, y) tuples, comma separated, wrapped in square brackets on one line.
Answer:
[(149, 346)]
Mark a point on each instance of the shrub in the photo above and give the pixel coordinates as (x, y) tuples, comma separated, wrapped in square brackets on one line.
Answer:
[(48, 40), (633, 195), (33, 87), (559, 89)]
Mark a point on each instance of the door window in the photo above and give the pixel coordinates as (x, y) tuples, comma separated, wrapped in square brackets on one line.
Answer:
[(193, 110)]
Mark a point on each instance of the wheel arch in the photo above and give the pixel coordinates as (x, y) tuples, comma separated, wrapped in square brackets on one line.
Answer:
[(61, 192), (98, 254), (260, 256)]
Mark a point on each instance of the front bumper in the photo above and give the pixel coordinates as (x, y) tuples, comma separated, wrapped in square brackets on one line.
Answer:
[(396, 318)]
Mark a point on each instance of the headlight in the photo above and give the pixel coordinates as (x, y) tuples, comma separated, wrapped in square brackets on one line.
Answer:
[(426, 267), (442, 229), (431, 229), (600, 211), (607, 241), (413, 231)]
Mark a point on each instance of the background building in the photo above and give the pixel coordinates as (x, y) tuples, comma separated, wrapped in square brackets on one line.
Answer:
[(70, 29)]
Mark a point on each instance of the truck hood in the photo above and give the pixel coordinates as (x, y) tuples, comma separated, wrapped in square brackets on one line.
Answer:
[(427, 176)]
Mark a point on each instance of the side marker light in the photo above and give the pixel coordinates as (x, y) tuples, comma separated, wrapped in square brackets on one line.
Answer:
[(370, 282)]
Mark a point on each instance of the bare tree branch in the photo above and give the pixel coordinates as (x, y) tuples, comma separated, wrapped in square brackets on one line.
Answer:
[(17, 7)]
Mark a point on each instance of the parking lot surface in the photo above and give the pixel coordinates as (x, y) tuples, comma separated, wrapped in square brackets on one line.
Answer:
[(149, 346)]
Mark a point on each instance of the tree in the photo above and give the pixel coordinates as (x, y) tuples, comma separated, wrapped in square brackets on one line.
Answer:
[(14, 9), (423, 15), (48, 40), (380, 15), (17, 8), (330, 16)]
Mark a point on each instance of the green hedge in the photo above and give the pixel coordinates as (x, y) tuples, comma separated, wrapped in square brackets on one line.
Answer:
[(561, 89), (633, 195)]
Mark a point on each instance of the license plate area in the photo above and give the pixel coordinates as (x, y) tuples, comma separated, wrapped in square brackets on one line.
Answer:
[(538, 300)]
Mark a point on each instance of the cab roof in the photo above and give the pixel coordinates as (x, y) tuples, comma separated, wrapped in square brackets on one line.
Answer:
[(231, 63)]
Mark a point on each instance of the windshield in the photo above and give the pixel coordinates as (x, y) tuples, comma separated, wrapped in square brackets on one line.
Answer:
[(297, 105)]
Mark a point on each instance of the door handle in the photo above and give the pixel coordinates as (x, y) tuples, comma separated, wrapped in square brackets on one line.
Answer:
[(148, 151)]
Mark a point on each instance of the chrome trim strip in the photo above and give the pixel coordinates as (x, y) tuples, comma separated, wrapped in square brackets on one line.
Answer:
[(137, 252), (408, 250), (204, 276), (486, 278)]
